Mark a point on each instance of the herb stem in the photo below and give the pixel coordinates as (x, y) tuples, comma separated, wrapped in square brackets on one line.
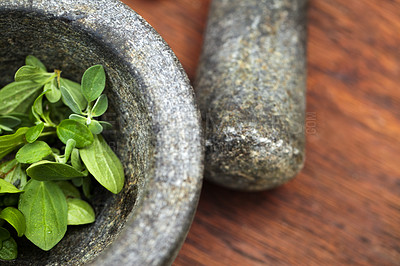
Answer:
[(58, 74), (50, 78), (44, 134)]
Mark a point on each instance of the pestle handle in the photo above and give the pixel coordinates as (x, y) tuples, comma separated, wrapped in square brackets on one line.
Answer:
[(250, 88)]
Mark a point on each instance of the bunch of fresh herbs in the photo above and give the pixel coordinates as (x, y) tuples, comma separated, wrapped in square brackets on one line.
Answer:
[(50, 147)]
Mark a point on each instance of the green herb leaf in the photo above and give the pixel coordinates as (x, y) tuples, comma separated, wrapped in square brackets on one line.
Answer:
[(79, 212), (4, 128), (8, 143), (69, 101), (6, 187), (18, 96), (9, 121), (47, 171), (78, 118), (77, 181), (34, 132), (105, 125), (87, 186), (45, 209), (76, 160), (95, 127), (32, 73), (16, 176), (103, 164), (93, 82), (100, 107), (74, 89), (68, 189), (53, 94), (4, 235), (9, 249), (37, 106), (71, 129), (25, 120), (33, 152), (68, 149), (14, 217), (31, 60), (6, 167)]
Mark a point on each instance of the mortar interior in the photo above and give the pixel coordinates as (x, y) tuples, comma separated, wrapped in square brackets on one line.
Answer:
[(60, 45)]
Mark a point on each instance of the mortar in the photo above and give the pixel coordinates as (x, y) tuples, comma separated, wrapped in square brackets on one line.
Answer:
[(156, 127)]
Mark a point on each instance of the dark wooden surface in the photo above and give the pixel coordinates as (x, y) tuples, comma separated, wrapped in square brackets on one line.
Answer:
[(344, 207)]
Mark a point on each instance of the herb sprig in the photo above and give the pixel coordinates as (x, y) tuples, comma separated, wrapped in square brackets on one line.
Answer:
[(50, 148)]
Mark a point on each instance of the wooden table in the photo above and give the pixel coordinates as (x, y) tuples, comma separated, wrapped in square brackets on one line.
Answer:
[(344, 207)]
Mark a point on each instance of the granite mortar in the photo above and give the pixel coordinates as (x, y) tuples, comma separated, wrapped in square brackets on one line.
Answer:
[(157, 127)]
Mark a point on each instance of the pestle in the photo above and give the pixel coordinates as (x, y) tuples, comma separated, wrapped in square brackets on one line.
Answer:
[(250, 88)]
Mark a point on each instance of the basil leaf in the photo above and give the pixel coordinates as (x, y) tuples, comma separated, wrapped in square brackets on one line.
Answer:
[(17, 177), (31, 60), (8, 143), (69, 101), (79, 118), (45, 209), (74, 90), (47, 171), (53, 94), (87, 186), (77, 181), (9, 121), (68, 189), (18, 96), (14, 217), (37, 107), (6, 187), (9, 249), (6, 128), (33, 152), (33, 133), (68, 149), (71, 129), (25, 120), (32, 73), (76, 160), (7, 167), (79, 212), (100, 107), (103, 164), (105, 125), (95, 127), (4, 234), (93, 82)]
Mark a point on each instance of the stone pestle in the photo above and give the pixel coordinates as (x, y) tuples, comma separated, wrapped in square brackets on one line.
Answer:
[(250, 88)]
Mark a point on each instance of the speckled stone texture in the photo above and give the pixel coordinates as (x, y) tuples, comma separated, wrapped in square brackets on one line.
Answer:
[(156, 126), (250, 88)]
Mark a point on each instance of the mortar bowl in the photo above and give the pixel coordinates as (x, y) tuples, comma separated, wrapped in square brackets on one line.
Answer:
[(156, 132)]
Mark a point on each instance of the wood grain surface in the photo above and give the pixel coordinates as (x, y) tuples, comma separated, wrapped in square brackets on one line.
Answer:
[(344, 207)]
